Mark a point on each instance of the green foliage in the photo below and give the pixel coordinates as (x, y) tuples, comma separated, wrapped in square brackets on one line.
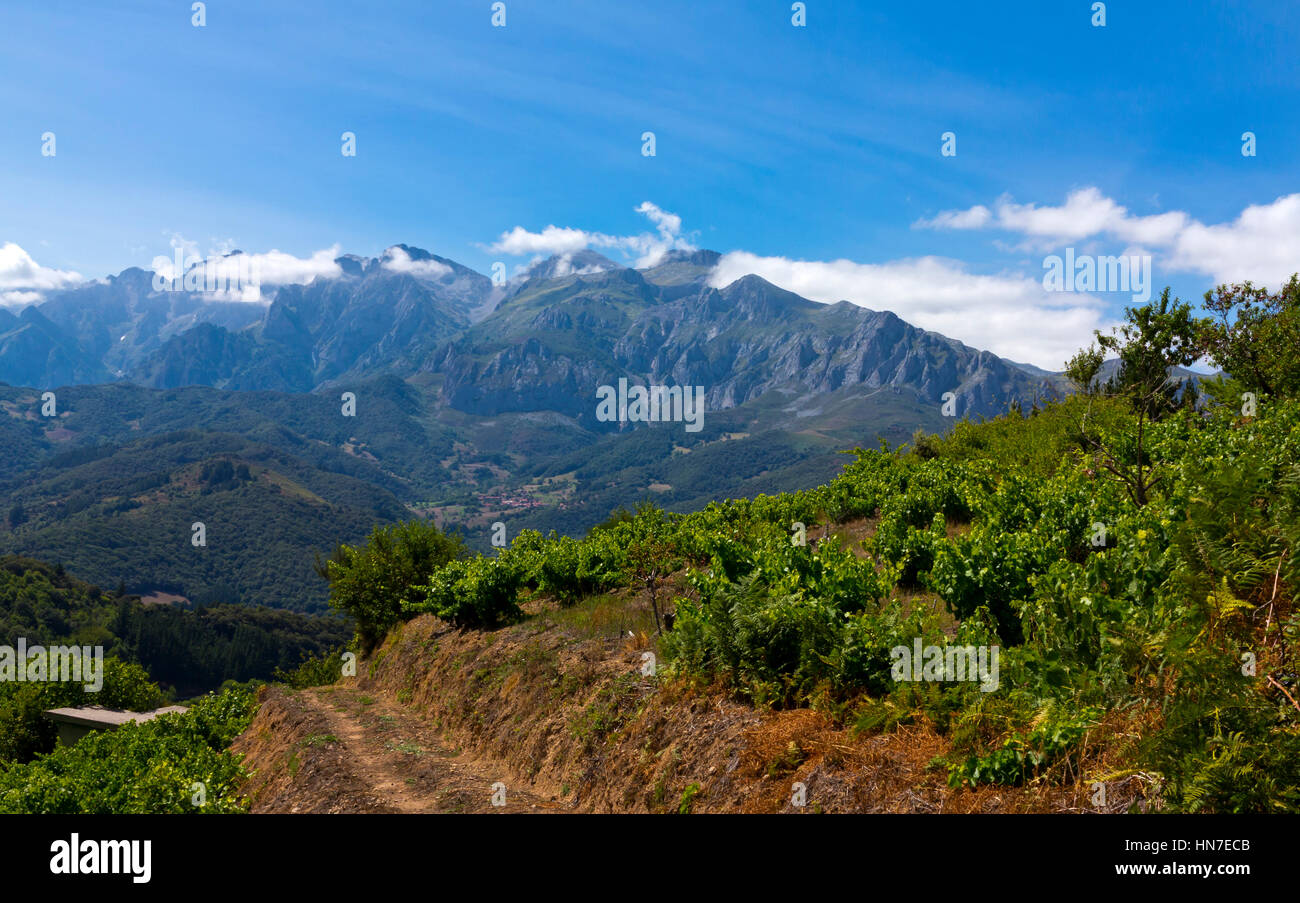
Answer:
[(688, 799), (1129, 552), (1153, 339), (43, 605), (191, 651), (375, 582), (197, 650), (1150, 345), (474, 592), (141, 768), (25, 730), (796, 619), (1023, 757), (620, 515), (315, 671), (570, 569), (989, 568), (1229, 738), (651, 557), (1082, 369), (127, 515), (1255, 335)]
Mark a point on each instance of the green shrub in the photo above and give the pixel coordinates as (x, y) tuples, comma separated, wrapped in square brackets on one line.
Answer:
[(1025, 756), (166, 765), (317, 671), (472, 592), (374, 582), (26, 731)]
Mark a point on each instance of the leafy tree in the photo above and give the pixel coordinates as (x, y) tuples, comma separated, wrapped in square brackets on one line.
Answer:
[(25, 731), (1082, 369), (473, 592), (1255, 335), (619, 515), (1153, 339), (373, 582), (316, 671)]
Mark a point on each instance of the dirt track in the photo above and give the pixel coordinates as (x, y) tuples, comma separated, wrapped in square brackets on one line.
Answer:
[(359, 754)]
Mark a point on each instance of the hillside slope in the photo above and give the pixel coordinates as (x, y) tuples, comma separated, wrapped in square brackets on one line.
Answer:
[(558, 711)]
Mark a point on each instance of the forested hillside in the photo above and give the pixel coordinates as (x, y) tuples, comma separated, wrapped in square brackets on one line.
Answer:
[(406, 384), (189, 651)]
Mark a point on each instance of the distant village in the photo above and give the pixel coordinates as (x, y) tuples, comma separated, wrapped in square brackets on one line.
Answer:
[(514, 499)]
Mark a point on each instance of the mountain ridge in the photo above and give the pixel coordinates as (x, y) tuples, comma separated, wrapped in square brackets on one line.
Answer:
[(407, 311)]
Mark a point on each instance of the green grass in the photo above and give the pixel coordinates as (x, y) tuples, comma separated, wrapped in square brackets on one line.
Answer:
[(605, 615)]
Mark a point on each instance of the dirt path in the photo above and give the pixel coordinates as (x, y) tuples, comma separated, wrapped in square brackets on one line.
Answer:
[(349, 752)]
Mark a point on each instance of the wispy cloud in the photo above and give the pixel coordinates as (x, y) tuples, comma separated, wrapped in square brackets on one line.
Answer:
[(1085, 213), (976, 217), (647, 247)]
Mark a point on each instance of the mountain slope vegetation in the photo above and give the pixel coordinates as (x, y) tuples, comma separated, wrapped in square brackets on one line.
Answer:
[(186, 650), (213, 517), (1129, 552), (1124, 558), (364, 398)]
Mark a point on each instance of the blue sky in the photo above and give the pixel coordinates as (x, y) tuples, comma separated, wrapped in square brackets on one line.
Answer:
[(812, 152)]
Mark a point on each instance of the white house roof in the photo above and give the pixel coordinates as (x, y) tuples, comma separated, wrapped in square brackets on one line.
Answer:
[(98, 716)]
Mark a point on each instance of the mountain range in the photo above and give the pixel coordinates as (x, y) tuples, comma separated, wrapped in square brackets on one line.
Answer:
[(540, 343), (470, 402)]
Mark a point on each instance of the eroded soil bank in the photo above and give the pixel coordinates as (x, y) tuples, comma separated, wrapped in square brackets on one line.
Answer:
[(554, 714)]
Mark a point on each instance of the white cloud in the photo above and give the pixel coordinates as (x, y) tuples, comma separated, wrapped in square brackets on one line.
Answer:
[(647, 247), (1085, 213), (399, 261), (551, 240), (1012, 316), (668, 224), (22, 279), (20, 298), (241, 276), (976, 217), (278, 268), (1261, 245), (564, 267)]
